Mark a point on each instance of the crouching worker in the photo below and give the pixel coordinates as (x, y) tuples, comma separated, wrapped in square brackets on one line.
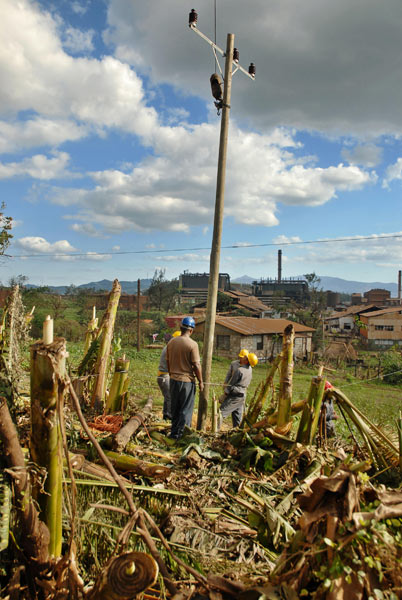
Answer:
[(328, 414), (237, 380)]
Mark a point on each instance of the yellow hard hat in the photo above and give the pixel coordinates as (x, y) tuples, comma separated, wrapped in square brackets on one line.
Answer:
[(252, 359), (243, 352), (176, 334)]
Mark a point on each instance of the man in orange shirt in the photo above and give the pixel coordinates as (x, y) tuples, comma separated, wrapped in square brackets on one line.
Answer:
[(183, 361)]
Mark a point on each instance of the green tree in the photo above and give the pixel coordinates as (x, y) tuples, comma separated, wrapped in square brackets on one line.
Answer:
[(6, 224), (162, 293), (391, 361), (224, 303)]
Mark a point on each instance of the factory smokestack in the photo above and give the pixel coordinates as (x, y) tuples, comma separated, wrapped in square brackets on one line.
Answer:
[(399, 285), (279, 266)]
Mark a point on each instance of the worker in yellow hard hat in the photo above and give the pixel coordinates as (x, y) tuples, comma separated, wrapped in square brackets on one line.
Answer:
[(237, 380)]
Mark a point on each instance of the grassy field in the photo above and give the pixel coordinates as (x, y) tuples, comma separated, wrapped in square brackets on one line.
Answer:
[(380, 401)]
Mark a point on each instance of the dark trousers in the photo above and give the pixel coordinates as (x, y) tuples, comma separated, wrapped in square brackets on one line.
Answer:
[(232, 406), (164, 386), (182, 394)]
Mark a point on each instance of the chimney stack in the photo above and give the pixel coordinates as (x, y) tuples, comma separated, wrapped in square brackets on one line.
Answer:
[(279, 266), (399, 285)]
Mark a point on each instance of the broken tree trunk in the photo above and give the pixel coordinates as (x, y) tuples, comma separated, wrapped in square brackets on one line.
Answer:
[(286, 379), (107, 328), (257, 405), (35, 535), (91, 331), (122, 438), (130, 464), (311, 412), (119, 386), (47, 395), (124, 577)]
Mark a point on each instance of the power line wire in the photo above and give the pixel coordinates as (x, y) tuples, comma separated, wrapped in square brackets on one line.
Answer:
[(203, 248)]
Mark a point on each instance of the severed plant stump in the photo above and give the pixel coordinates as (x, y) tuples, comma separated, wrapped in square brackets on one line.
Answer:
[(124, 577)]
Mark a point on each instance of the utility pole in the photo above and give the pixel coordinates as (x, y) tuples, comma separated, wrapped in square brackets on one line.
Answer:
[(214, 260), (138, 315), (231, 56)]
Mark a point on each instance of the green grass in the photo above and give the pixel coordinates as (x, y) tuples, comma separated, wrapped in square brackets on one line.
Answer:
[(380, 401)]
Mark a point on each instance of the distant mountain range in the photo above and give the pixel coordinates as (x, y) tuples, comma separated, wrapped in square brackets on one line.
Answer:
[(128, 287), (334, 284)]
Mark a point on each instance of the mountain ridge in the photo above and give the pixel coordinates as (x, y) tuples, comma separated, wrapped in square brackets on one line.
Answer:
[(335, 284)]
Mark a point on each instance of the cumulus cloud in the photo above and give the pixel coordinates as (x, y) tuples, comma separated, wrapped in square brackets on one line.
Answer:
[(37, 167), (176, 189), (315, 67), (40, 245), (38, 75), (61, 250), (38, 131)]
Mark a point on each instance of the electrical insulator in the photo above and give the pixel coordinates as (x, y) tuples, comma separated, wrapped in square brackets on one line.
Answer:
[(236, 55), (193, 18), (251, 70)]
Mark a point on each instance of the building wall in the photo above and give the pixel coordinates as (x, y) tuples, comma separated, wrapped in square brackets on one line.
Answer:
[(383, 330), (228, 343), (377, 295)]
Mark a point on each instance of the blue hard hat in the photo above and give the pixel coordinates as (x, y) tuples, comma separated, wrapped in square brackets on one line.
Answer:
[(188, 322)]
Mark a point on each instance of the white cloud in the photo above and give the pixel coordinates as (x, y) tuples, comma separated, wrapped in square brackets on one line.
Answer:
[(393, 172), (17, 135), (184, 257), (284, 239), (61, 250), (40, 245), (37, 167), (38, 75), (176, 189), (366, 155), (80, 8), (377, 249), (86, 229), (78, 41)]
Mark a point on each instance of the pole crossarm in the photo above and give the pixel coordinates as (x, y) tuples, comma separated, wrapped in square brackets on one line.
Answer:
[(216, 48)]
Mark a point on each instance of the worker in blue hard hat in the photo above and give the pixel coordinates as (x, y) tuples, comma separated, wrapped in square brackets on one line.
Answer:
[(184, 365), (237, 380), (163, 378)]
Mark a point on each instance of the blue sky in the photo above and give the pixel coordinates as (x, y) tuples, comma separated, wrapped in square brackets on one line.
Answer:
[(109, 138)]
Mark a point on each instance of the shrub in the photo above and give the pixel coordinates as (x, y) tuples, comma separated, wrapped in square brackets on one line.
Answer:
[(391, 362)]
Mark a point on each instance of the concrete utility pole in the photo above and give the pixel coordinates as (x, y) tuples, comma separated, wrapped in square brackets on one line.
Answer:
[(213, 282), (231, 56)]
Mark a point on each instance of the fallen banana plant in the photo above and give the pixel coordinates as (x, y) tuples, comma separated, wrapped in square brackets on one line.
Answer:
[(383, 452)]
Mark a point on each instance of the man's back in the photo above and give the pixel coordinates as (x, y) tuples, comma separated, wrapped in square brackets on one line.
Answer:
[(182, 354)]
